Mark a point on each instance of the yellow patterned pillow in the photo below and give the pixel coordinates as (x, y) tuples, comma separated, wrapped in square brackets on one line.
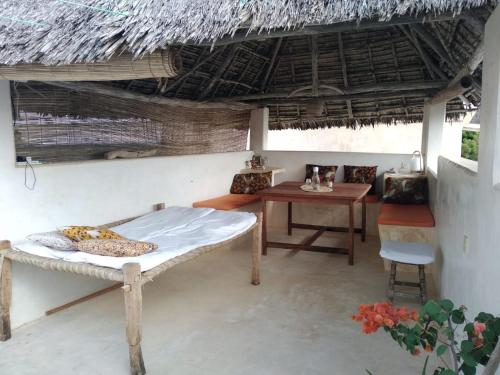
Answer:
[(82, 233)]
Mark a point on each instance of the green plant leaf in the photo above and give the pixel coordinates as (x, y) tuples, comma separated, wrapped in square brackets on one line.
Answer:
[(446, 304), (441, 317), (432, 308), (458, 316), (484, 317), (447, 372), (469, 328), (468, 370), (466, 346), (441, 349), (469, 360)]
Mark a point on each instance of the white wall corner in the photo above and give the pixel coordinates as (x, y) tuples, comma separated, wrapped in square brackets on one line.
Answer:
[(259, 126), (432, 134), (489, 140)]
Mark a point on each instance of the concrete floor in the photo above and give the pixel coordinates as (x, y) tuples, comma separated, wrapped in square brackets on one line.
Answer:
[(204, 317)]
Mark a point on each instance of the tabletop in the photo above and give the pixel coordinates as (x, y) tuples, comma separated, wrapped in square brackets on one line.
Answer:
[(341, 191)]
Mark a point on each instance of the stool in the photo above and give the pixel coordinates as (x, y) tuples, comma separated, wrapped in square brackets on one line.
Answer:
[(411, 253)]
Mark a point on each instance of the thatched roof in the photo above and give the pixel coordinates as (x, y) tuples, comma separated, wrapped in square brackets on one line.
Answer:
[(61, 31), (364, 62)]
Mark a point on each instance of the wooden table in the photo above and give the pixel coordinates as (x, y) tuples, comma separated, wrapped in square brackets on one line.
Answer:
[(342, 194)]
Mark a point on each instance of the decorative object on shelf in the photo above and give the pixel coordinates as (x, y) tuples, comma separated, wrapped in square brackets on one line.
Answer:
[(416, 163), (259, 162), (321, 189), (316, 182), (404, 169)]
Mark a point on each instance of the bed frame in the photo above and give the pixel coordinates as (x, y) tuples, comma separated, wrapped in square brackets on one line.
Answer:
[(130, 276)]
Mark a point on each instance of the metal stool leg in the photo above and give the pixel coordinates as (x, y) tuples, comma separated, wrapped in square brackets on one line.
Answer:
[(423, 284), (392, 281)]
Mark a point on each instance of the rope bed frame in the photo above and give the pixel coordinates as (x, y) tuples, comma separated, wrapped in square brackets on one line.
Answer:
[(130, 275)]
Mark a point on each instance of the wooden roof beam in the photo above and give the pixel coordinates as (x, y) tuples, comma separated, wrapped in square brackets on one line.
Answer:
[(245, 35), (102, 89), (344, 73), (314, 65)]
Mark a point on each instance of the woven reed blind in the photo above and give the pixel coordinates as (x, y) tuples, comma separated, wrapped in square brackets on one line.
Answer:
[(56, 125)]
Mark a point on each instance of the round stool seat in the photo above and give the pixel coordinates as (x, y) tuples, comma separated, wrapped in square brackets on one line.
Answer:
[(407, 252)]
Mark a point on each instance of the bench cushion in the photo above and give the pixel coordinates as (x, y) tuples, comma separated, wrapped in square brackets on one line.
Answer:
[(406, 215), (228, 202)]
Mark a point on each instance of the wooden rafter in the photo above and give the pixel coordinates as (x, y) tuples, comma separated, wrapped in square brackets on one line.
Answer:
[(314, 65), (270, 66), (398, 73), (344, 72), (221, 70)]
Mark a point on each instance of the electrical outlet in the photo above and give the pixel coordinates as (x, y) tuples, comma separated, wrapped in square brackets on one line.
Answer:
[(466, 244)]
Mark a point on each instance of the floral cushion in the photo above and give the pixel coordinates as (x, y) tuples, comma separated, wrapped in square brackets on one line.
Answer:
[(116, 248), (361, 175), (54, 240), (250, 183), (406, 190), (81, 233), (326, 172)]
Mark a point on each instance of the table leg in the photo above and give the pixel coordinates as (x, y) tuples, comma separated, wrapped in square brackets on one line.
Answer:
[(289, 218), (363, 219), (350, 239), (264, 227)]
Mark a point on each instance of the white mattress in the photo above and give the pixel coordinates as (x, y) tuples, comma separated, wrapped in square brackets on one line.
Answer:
[(176, 231)]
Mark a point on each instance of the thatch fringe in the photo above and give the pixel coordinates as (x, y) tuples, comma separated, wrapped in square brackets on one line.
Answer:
[(86, 31), (353, 123)]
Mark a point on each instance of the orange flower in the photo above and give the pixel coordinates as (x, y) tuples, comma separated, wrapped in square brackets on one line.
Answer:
[(383, 314), (428, 348), (479, 328)]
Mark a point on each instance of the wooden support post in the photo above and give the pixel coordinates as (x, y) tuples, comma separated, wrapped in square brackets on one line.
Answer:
[(290, 218), (363, 219), (132, 289), (351, 234), (423, 284), (264, 227), (392, 282), (257, 250), (5, 291)]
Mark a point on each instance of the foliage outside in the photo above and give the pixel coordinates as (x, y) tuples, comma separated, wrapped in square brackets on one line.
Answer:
[(440, 328), (470, 144)]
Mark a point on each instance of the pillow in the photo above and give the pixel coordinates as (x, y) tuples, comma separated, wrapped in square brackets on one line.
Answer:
[(250, 183), (404, 190), (116, 248), (54, 240), (81, 233), (361, 175), (326, 172)]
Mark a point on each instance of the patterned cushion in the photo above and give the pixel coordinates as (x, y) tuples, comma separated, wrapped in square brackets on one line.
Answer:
[(326, 172), (404, 190), (80, 233), (116, 248), (361, 175), (54, 240), (250, 183)]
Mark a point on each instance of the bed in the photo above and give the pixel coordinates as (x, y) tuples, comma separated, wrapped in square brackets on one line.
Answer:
[(181, 234)]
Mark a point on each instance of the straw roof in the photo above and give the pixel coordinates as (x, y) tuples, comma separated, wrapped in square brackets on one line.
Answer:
[(313, 63)]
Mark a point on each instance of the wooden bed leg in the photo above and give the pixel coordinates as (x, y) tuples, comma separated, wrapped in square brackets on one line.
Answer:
[(5, 292), (257, 251), (132, 289)]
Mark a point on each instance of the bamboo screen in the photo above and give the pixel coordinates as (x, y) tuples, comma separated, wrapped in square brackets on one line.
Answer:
[(56, 125)]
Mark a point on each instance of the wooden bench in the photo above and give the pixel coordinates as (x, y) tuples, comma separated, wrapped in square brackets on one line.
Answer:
[(407, 223), (229, 202)]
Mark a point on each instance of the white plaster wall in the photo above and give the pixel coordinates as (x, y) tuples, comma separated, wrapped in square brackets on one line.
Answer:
[(91, 193), (468, 203)]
